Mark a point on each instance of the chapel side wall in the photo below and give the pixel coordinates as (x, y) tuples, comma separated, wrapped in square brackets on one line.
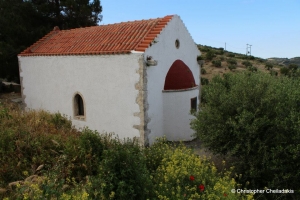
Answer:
[(107, 83), (163, 50)]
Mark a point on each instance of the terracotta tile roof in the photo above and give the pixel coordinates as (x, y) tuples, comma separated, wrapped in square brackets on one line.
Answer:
[(104, 39)]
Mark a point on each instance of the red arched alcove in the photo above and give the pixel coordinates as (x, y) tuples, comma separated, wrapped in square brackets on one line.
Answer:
[(179, 77)]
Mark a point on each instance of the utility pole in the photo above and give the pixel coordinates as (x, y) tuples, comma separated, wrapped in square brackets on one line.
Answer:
[(248, 51)]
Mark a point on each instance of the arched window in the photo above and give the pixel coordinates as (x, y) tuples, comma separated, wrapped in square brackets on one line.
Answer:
[(79, 112)]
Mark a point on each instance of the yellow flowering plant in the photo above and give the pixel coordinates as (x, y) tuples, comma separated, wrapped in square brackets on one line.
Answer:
[(184, 175)]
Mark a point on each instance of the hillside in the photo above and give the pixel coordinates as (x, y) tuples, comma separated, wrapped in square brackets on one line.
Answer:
[(218, 61), (285, 61)]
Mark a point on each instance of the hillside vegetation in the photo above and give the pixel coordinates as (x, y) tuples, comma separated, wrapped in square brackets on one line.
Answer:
[(44, 157), (285, 61), (217, 61)]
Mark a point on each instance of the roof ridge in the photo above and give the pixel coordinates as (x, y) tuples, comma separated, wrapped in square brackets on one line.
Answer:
[(144, 44)]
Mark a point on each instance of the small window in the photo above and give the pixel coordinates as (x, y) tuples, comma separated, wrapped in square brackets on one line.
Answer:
[(194, 104), (177, 44), (78, 107)]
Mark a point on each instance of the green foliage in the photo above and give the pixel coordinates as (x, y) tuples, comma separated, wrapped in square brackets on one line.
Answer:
[(199, 58), (269, 66), (60, 121), (251, 58), (284, 71), (183, 175), (222, 58), (255, 118), (203, 71), (123, 170), (247, 63), (4, 112), (231, 55), (232, 67), (204, 81), (217, 63), (231, 61), (177, 173), (24, 22), (273, 73), (210, 55), (291, 71), (220, 51), (293, 67), (204, 49), (42, 157), (252, 68)]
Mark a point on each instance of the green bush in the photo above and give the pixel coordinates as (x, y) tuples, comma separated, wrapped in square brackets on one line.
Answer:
[(247, 63), (252, 68), (222, 58), (231, 61), (231, 55), (204, 49), (251, 58), (29, 140), (291, 71), (284, 71), (220, 51), (199, 58), (293, 67), (203, 71), (231, 67), (261, 60), (60, 121), (204, 81), (42, 157), (180, 174), (273, 73), (269, 66), (217, 63), (210, 55), (255, 118), (123, 172), (244, 57)]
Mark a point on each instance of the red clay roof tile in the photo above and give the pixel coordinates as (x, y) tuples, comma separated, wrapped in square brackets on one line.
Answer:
[(117, 38)]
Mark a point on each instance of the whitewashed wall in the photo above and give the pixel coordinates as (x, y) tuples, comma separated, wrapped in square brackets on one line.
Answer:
[(106, 82), (165, 52), (177, 118)]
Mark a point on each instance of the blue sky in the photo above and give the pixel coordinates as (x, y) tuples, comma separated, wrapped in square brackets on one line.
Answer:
[(272, 27)]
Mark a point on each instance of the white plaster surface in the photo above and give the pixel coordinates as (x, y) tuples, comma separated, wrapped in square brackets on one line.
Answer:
[(165, 52), (106, 82), (176, 113)]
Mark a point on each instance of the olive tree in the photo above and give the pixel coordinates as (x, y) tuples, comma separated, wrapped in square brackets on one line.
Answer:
[(255, 118)]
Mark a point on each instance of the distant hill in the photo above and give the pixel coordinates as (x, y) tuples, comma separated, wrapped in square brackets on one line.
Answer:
[(217, 61), (285, 61)]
